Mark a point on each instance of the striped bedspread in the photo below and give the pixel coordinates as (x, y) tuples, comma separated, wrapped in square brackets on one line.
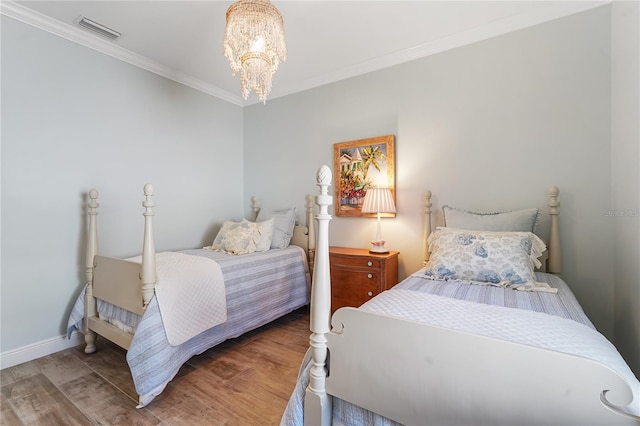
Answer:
[(562, 304), (260, 287), (547, 320)]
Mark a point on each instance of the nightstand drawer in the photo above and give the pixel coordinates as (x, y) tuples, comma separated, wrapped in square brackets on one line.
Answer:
[(354, 262), (356, 291), (356, 277)]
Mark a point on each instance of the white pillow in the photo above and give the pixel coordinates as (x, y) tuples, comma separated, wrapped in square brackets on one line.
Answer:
[(505, 259), (513, 221), (284, 222), (237, 237), (265, 234)]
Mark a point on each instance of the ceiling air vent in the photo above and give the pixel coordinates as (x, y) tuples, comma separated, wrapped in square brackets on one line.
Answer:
[(98, 28)]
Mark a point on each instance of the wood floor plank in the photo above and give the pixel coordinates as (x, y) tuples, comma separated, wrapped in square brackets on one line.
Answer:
[(237, 405), (19, 372), (8, 416), (178, 406), (110, 362), (268, 388), (62, 367), (241, 382), (103, 403), (36, 401), (224, 365)]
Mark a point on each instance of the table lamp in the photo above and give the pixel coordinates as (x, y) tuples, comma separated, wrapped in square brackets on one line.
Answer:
[(378, 200)]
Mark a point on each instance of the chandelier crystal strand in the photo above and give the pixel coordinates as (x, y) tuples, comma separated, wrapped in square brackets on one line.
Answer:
[(254, 44)]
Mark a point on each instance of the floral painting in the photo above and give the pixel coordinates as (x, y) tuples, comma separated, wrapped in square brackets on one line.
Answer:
[(358, 166)]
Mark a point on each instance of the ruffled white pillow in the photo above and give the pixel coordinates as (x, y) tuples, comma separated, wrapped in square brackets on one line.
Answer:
[(264, 231), (284, 222), (237, 237)]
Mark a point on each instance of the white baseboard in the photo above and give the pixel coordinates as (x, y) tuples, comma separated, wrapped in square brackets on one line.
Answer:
[(40, 349)]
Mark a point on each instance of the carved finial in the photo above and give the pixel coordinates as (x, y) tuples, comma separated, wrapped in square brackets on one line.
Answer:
[(427, 201), (324, 175), (255, 209), (323, 200), (148, 203), (554, 191), (427, 226), (93, 201)]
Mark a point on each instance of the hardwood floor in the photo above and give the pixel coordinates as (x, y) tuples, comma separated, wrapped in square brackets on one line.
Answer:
[(243, 381)]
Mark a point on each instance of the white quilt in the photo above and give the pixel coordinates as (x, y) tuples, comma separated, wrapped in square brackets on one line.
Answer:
[(515, 325), (191, 295)]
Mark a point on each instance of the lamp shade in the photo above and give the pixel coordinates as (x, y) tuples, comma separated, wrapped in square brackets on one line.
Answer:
[(378, 200)]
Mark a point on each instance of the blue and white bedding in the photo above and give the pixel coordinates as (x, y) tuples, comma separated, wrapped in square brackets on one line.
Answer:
[(548, 320), (260, 287)]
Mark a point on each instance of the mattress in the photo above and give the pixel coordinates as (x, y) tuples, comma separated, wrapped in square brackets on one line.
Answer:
[(260, 287)]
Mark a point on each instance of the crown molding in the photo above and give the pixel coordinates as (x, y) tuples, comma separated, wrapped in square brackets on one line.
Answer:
[(484, 32), (86, 39)]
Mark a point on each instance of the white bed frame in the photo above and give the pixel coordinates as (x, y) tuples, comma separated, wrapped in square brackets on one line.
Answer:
[(130, 285), (419, 374)]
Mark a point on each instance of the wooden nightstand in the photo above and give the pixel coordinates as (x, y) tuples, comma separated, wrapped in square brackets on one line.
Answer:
[(357, 275)]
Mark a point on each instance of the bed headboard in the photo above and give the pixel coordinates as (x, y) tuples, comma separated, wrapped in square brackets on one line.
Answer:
[(551, 259)]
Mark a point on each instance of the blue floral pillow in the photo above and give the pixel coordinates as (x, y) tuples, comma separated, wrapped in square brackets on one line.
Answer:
[(505, 259)]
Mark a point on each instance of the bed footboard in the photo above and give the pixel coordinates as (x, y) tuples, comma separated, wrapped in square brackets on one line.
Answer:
[(415, 373), (117, 281), (129, 285)]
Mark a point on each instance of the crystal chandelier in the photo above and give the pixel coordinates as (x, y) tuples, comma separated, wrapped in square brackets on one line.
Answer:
[(254, 44)]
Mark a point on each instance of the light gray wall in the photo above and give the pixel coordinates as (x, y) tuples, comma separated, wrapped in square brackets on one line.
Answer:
[(486, 126), (73, 119), (625, 177)]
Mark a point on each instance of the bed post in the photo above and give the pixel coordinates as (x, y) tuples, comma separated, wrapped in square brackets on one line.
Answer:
[(90, 309), (554, 264), (255, 209), (148, 275), (426, 227), (311, 237), (317, 404)]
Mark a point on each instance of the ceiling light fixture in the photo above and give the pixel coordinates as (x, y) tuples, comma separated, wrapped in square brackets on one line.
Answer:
[(254, 44)]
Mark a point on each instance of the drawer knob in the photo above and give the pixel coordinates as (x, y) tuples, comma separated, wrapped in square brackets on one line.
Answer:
[(370, 293), (369, 263), (369, 275)]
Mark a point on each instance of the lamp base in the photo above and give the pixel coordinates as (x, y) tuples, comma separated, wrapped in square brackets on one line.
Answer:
[(378, 247)]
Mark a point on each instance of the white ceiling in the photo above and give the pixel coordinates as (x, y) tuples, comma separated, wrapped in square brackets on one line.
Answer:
[(327, 40)]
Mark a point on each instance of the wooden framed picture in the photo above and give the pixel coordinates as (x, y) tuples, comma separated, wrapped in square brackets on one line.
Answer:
[(359, 165)]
